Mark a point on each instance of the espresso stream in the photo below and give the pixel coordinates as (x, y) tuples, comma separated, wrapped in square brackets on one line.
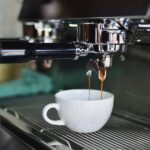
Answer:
[(89, 86), (101, 77)]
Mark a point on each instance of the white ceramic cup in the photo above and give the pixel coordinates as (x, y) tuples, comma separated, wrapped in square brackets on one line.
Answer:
[(79, 113)]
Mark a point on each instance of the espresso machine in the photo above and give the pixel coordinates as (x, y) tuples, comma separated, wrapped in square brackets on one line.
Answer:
[(101, 29), (99, 36)]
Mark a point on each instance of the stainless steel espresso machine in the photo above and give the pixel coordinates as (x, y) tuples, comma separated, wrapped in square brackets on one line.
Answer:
[(101, 36), (101, 29)]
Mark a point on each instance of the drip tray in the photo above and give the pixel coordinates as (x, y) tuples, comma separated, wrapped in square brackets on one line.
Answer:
[(118, 134)]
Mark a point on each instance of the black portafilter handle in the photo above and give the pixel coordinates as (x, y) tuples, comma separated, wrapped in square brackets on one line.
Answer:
[(23, 51)]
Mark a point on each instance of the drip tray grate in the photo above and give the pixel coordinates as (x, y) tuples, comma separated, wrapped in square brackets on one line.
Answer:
[(118, 134)]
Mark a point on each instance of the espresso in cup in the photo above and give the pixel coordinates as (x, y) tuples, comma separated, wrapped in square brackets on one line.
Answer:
[(78, 113)]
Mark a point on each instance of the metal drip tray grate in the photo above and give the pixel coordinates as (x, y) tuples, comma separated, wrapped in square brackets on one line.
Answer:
[(118, 134)]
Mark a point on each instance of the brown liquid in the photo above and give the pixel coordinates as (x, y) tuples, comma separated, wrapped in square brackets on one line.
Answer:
[(89, 86), (102, 87), (101, 77)]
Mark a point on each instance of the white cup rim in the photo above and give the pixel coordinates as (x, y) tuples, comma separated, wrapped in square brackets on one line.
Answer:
[(58, 95)]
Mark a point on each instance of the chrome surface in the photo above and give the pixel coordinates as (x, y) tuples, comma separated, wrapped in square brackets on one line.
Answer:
[(10, 52), (14, 125), (101, 33), (144, 25), (107, 60), (101, 36), (108, 35), (81, 50)]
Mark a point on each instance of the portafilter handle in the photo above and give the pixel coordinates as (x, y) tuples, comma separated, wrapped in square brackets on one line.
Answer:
[(23, 51)]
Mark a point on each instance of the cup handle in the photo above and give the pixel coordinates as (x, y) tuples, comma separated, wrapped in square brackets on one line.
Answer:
[(50, 121)]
